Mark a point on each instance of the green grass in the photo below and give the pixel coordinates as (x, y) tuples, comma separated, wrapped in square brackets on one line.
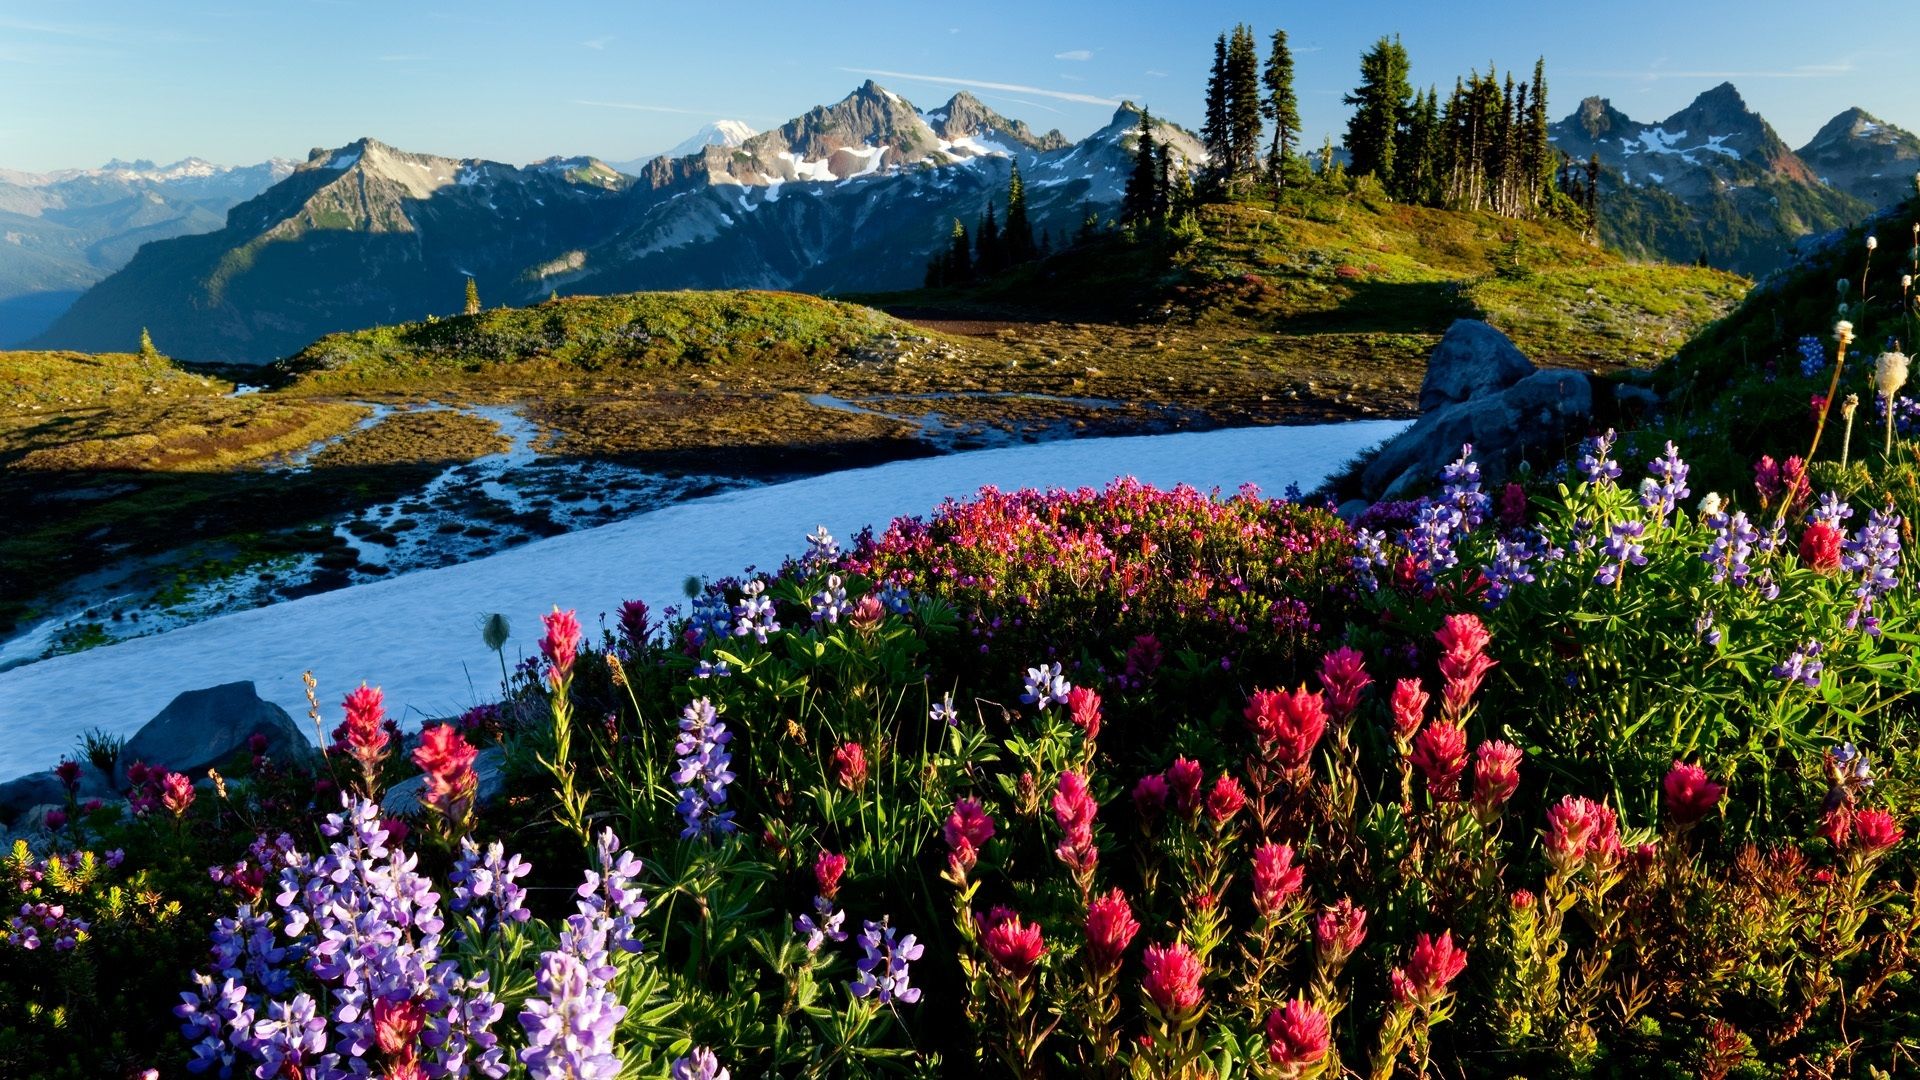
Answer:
[(33, 382)]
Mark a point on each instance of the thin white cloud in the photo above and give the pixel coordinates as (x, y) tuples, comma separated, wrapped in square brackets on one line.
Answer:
[(982, 84), (1074, 54), (1156, 74), (635, 106), (597, 43)]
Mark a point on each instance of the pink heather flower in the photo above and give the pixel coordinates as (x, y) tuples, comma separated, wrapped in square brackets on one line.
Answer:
[(850, 765), (138, 771), (1276, 879), (561, 646), (1409, 703), (826, 873), (1440, 753), (1463, 659), (1173, 977), (364, 732), (447, 761), (1074, 808), (1344, 674), (1150, 796), (1690, 794), (1496, 774), (1339, 930), (69, 773), (1874, 831), (1287, 726), (1298, 1035), (868, 613), (1435, 963), (1083, 707), (1820, 547), (1015, 947), (1225, 800), (396, 1025), (1110, 929), (1183, 780), (176, 793)]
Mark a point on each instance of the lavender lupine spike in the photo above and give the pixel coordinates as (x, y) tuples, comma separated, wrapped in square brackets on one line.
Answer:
[(217, 1020), (1512, 565), (753, 615), (943, 712), (884, 967), (1705, 627), (831, 602), (1370, 553), (704, 771), (711, 618), (1813, 357), (611, 892), (292, 1040), (484, 885), (1594, 465), (1460, 489), (1831, 510), (1669, 475), (1045, 686), (1803, 666), (1732, 546), (1774, 538), (570, 1021), (1623, 547), (822, 924), (1874, 553), (822, 549), (699, 1064), (1431, 539)]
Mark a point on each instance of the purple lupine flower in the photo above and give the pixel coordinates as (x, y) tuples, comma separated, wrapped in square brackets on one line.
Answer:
[(1623, 547), (612, 893), (1370, 552), (1045, 686), (484, 885), (1669, 476), (709, 618), (831, 602), (943, 712), (1460, 489), (753, 615), (712, 669), (1831, 510), (246, 949), (1732, 546), (896, 600), (1431, 539), (570, 1021), (1874, 553), (703, 772), (292, 1039), (699, 1064), (822, 549), (1803, 666), (884, 968), (1512, 565), (1708, 632), (1853, 765), (1594, 465), (1813, 357), (217, 1020), (821, 925), (1774, 538)]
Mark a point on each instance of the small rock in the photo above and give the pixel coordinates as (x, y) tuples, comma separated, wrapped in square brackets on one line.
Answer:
[(204, 728)]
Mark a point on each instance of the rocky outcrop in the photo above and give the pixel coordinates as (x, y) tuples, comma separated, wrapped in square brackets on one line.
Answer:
[(1479, 389), (204, 728), (489, 766), (24, 793)]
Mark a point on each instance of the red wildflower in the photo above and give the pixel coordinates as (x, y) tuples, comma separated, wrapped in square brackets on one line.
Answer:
[(364, 733), (1143, 659), (1074, 808), (1521, 899), (561, 646), (635, 624), (1874, 831), (1150, 796), (1578, 827), (1820, 547), (1225, 800), (1463, 659), (827, 869), (1496, 774), (1276, 879), (176, 793), (137, 773), (396, 1025), (1183, 780), (1110, 929), (447, 760), (1435, 963), (1690, 794), (1440, 753), (1015, 947), (69, 773), (969, 822), (1298, 1034), (1339, 930), (1287, 726), (1173, 978), (850, 765), (1513, 506), (1083, 707), (1836, 825), (1344, 674), (1409, 708), (55, 820)]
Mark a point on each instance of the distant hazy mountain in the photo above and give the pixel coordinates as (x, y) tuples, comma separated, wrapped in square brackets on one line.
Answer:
[(1715, 181), (726, 133), (852, 196), (61, 232)]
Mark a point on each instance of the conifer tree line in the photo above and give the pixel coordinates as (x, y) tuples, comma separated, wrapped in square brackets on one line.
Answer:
[(1160, 187), (1243, 96), (992, 246)]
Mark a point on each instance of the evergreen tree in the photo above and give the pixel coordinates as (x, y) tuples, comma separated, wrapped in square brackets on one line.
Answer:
[(959, 268), (1380, 103), (1243, 107), (1216, 131), (1163, 183), (1539, 159), (990, 256), (1282, 110), (1143, 184), (473, 297), (147, 350), (1090, 225), (1017, 240)]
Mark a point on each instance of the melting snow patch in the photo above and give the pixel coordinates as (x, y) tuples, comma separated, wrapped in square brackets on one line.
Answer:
[(344, 161)]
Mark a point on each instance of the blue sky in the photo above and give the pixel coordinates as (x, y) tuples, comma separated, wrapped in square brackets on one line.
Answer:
[(240, 80)]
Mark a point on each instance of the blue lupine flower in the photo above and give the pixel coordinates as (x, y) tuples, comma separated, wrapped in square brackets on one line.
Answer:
[(292, 1040), (699, 1064), (1803, 666), (1594, 465), (1512, 565), (1854, 768), (712, 669), (1813, 357), (753, 615), (884, 967), (611, 892), (1669, 475), (831, 602), (1045, 686), (1431, 539), (1708, 632), (821, 925), (1460, 489), (1874, 553), (703, 771), (896, 600), (943, 712), (1832, 510), (822, 549), (1370, 552), (1623, 547), (484, 884), (1732, 546), (570, 1021)]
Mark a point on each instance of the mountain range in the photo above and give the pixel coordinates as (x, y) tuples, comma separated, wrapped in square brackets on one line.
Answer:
[(727, 133), (1714, 182), (851, 196)]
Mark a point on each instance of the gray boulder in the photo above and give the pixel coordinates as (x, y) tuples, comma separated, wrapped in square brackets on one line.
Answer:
[(1530, 418), (23, 793), (489, 766), (1471, 361), (201, 729)]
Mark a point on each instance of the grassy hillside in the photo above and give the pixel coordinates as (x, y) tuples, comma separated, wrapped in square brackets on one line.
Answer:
[(58, 381)]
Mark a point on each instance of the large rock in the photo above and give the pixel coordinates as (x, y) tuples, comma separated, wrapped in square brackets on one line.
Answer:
[(23, 793), (1472, 360), (489, 767), (205, 728), (1532, 418)]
